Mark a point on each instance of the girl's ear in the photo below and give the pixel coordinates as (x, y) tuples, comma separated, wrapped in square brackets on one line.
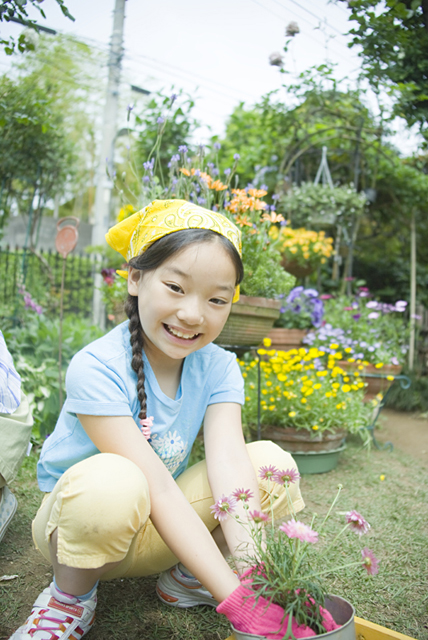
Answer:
[(134, 276)]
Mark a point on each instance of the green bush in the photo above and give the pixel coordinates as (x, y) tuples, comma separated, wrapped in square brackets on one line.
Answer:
[(34, 345)]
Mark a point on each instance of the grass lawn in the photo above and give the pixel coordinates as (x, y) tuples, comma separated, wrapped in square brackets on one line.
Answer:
[(396, 507)]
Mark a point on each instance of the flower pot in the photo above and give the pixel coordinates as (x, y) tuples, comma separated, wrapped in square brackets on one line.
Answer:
[(249, 321), (301, 440), (378, 384), (286, 339), (317, 453), (296, 269), (342, 611)]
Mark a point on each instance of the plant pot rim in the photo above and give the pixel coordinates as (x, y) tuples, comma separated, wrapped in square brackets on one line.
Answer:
[(258, 301)]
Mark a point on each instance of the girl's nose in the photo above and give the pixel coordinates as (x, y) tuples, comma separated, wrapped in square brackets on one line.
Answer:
[(190, 312)]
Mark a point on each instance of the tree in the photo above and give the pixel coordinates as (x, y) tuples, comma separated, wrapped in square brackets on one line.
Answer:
[(36, 159), (16, 10), (393, 36)]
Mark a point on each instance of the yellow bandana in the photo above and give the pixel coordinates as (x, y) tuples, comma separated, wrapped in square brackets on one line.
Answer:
[(135, 234)]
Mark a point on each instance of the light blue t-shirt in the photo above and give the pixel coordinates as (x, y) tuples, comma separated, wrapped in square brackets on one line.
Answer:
[(101, 382)]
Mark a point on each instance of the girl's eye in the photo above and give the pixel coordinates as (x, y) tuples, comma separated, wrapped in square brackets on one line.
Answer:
[(175, 287)]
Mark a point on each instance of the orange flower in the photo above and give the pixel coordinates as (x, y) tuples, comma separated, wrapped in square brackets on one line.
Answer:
[(257, 193), (272, 217), (243, 222), (185, 171), (217, 185)]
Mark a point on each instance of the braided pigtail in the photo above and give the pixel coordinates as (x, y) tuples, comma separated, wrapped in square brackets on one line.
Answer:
[(136, 339)]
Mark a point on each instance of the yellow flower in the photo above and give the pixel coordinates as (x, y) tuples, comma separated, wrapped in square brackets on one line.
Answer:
[(390, 378), (379, 365), (321, 374), (272, 407), (268, 383), (247, 398), (261, 352), (346, 388), (348, 350), (303, 401), (382, 477), (265, 392), (244, 374), (334, 345), (292, 414), (317, 385), (267, 342), (315, 427)]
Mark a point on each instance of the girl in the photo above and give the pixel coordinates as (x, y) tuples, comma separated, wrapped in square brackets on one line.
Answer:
[(119, 500)]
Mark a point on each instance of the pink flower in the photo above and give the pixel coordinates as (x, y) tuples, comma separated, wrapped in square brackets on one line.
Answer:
[(267, 472), (223, 506), (373, 315), (297, 529), (259, 516), (242, 494), (369, 562), (326, 296), (289, 475), (356, 522)]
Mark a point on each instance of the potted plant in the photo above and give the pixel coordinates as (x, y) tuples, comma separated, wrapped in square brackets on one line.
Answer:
[(372, 336), (289, 560), (301, 311), (308, 404), (302, 250)]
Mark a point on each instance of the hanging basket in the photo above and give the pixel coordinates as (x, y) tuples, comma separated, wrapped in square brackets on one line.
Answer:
[(250, 320), (375, 385)]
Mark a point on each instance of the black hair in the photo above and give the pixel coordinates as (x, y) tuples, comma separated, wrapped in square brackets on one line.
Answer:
[(151, 259)]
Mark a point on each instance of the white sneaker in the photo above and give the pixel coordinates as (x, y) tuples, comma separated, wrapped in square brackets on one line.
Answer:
[(179, 590), (52, 619), (8, 506)]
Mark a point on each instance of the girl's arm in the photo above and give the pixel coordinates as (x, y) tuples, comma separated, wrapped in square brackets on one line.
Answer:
[(175, 520), (230, 468)]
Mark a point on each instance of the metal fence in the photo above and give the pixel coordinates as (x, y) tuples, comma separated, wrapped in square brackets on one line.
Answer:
[(40, 274)]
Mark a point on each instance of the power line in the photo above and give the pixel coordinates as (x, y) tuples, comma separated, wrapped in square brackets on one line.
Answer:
[(300, 18)]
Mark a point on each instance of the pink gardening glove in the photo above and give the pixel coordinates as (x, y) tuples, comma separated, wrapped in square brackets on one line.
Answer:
[(261, 618)]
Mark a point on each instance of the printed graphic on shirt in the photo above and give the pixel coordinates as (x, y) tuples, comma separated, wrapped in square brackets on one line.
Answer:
[(170, 448)]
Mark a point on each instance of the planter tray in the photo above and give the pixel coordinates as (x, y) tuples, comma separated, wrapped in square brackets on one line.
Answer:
[(366, 630)]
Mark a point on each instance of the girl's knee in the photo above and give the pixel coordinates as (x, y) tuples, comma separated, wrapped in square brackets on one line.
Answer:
[(103, 494)]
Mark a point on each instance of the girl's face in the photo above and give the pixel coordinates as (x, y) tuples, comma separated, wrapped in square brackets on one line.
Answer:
[(184, 303)]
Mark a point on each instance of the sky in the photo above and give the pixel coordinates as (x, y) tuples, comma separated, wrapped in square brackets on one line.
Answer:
[(216, 51)]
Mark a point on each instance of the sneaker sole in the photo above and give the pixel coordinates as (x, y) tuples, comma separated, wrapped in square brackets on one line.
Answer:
[(175, 596)]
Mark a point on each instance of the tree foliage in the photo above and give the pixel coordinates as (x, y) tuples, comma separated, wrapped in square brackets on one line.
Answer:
[(393, 36), (17, 10)]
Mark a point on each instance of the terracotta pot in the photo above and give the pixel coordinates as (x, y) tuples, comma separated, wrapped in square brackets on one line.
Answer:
[(249, 321), (286, 339), (374, 385), (296, 269), (300, 440)]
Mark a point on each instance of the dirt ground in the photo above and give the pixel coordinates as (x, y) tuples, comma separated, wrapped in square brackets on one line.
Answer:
[(407, 432)]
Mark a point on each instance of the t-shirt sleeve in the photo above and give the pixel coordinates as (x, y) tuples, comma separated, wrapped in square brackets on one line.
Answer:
[(230, 383), (95, 388)]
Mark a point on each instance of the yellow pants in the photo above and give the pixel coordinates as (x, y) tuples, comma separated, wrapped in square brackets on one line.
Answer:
[(101, 508)]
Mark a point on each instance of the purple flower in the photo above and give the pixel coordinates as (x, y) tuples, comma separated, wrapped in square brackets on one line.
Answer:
[(267, 472), (372, 304), (373, 315), (299, 530), (369, 562), (146, 179), (227, 172), (264, 187), (160, 120), (243, 495), (357, 316), (356, 522), (173, 98), (400, 305), (223, 506), (276, 196), (182, 149), (148, 166), (236, 156), (288, 475), (217, 146)]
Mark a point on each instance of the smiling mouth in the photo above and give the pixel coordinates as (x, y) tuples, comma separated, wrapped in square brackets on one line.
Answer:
[(179, 334)]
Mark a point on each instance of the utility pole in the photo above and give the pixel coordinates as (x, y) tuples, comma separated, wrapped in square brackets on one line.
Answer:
[(103, 183)]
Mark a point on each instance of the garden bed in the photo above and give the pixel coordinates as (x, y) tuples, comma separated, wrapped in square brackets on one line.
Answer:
[(396, 507)]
